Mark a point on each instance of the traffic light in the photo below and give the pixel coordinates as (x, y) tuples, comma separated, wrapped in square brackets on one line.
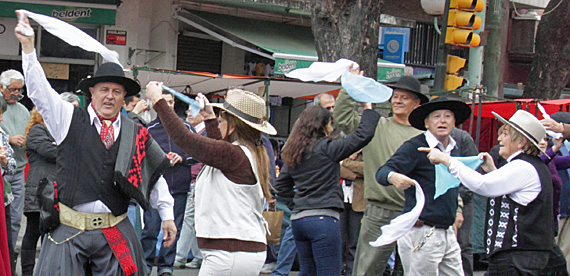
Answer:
[(452, 80), (462, 20)]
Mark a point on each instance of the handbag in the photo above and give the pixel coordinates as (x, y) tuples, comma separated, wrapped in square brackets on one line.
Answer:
[(274, 219), (49, 205)]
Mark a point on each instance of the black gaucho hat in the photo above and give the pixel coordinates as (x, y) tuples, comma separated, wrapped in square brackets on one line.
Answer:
[(411, 84), (111, 72), (460, 110)]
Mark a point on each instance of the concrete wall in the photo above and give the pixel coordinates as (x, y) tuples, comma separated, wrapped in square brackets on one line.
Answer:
[(152, 33)]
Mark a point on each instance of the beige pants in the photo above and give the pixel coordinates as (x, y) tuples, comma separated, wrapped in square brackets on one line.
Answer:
[(563, 238), (440, 254)]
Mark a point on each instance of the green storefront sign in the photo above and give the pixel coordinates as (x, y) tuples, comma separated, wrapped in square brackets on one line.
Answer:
[(66, 13), (283, 66)]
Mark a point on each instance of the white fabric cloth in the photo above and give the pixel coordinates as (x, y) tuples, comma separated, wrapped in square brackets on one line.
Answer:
[(348, 191), (545, 115), (518, 179), (227, 210), (322, 71), (73, 36), (224, 263), (57, 115), (403, 223)]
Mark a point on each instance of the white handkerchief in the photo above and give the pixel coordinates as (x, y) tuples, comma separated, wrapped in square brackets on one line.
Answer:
[(73, 36), (403, 223), (322, 71)]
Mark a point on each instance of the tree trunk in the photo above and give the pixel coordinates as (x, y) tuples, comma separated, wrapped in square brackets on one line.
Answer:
[(347, 29), (551, 66)]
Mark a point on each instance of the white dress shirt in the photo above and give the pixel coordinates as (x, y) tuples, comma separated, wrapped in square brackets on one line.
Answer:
[(518, 179), (433, 142), (57, 115)]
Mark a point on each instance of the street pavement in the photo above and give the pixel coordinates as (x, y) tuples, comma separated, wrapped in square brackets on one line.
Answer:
[(177, 272), (194, 272)]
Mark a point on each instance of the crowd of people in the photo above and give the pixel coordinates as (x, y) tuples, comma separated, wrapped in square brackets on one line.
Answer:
[(204, 181)]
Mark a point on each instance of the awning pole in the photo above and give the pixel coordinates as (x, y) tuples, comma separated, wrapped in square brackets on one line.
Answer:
[(221, 37), (479, 118), (266, 92)]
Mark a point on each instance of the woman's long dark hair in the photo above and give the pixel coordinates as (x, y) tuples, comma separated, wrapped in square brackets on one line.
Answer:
[(310, 127)]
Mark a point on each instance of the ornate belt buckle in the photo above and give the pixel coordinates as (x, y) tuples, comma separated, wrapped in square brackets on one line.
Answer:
[(96, 222)]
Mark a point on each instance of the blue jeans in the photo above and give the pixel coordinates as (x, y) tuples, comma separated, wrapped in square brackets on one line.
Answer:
[(188, 241), (319, 245), (286, 255), (17, 183), (152, 226)]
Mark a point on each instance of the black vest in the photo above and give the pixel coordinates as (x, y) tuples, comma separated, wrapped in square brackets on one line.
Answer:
[(514, 226), (85, 167)]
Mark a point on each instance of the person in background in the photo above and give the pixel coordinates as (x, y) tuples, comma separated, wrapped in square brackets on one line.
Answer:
[(14, 124), (311, 176), (351, 171), (134, 107), (326, 101), (384, 203), (188, 241), (556, 263), (8, 165), (233, 185), (41, 151), (519, 233), (563, 238), (178, 176), (467, 147)]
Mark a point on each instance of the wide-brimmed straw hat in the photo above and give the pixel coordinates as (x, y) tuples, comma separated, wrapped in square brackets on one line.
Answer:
[(111, 72), (527, 125), (460, 110), (247, 107), (411, 84)]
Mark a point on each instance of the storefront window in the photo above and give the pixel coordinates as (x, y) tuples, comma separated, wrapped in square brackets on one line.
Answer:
[(54, 47)]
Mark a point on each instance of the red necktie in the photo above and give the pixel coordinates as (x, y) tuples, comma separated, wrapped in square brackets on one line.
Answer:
[(107, 132)]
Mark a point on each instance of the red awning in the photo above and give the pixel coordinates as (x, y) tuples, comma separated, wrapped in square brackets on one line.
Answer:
[(507, 108)]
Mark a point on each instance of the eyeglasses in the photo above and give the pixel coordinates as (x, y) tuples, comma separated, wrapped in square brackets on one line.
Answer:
[(19, 92), (329, 108)]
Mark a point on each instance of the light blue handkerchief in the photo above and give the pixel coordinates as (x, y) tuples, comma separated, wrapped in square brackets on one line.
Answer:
[(444, 180), (195, 106), (364, 89)]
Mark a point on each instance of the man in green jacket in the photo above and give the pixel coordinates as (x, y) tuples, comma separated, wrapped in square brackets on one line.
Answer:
[(384, 203)]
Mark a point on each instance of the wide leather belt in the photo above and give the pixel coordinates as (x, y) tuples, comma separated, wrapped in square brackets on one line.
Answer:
[(87, 221)]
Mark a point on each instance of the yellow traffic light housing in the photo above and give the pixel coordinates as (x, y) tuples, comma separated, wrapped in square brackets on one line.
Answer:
[(467, 5), (464, 20), (452, 80), (461, 22)]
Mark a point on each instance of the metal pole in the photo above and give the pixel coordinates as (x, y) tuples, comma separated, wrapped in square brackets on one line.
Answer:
[(441, 65), (266, 92), (478, 134), (475, 62)]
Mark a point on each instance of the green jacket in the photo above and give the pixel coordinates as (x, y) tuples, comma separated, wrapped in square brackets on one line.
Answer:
[(389, 136)]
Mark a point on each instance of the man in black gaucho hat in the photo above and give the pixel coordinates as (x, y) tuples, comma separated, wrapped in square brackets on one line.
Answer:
[(103, 161), (431, 247)]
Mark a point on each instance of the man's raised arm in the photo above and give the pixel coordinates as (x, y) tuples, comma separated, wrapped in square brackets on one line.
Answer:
[(56, 112)]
